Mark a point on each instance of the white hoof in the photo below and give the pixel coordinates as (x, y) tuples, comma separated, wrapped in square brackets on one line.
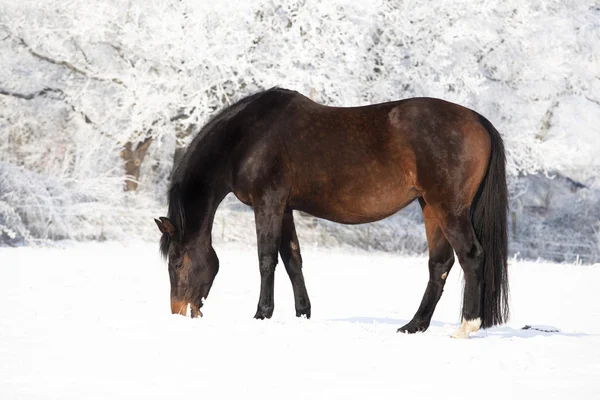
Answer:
[(466, 328)]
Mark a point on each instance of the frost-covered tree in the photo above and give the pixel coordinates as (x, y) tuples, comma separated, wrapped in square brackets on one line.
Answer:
[(97, 93)]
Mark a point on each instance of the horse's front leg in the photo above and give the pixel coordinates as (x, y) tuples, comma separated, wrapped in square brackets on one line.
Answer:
[(268, 215), (292, 259)]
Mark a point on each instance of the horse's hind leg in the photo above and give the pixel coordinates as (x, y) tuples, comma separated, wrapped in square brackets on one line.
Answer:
[(289, 250), (459, 231), (441, 259)]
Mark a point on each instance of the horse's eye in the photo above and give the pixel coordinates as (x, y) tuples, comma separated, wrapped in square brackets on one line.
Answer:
[(179, 265)]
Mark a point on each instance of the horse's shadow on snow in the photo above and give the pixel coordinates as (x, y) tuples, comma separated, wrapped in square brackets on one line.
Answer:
[(526, 332), (390, 321)]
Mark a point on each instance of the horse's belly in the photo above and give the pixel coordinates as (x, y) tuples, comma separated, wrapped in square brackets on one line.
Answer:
[(355, 201)]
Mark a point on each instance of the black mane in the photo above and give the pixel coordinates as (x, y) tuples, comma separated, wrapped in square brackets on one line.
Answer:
[(176, 215), (202, 150)]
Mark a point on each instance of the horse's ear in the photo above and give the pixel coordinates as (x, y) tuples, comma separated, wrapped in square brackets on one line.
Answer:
[(165, 226)]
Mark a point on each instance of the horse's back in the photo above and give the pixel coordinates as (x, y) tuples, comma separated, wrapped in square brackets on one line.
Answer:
[(366, 163)]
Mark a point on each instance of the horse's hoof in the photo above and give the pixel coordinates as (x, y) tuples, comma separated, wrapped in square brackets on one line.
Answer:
[(413, 328), (263, 314), (466, 327), (303, 313)]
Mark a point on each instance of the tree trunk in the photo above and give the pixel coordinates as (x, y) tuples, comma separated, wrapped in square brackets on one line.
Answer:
[(133, 162)]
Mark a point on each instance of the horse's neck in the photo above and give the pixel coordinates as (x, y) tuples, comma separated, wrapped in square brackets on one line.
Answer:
[(210, 176), (203, 217)]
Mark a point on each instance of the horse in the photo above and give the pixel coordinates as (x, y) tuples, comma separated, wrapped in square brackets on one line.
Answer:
[(279, 151)]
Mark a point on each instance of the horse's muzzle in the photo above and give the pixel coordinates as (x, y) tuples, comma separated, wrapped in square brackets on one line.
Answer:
[(181, 307)]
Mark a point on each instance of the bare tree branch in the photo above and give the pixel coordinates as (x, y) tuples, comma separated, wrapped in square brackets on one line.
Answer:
[(130, 60), (179, 117), (119, 51), (66, 64), (45, 93), (81, 51), (33, 95), (52, 61), (593, 100)]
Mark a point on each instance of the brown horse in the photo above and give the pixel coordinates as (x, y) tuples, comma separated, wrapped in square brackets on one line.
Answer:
[(278, 151)]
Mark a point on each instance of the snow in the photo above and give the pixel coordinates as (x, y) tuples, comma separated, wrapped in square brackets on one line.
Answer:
[(92, 321)]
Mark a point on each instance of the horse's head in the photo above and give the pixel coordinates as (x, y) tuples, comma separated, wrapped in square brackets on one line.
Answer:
[(192, 268)]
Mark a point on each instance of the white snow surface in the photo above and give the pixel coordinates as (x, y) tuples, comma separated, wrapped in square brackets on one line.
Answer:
[(92, 321)]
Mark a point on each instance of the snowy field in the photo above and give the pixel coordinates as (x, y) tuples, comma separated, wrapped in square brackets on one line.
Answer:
[(92, 321)]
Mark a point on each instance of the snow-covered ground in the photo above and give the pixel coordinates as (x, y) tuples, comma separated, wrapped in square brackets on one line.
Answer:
[(92, 321)]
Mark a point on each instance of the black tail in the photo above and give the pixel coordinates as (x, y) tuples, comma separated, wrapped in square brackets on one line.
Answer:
[(488, 214)]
